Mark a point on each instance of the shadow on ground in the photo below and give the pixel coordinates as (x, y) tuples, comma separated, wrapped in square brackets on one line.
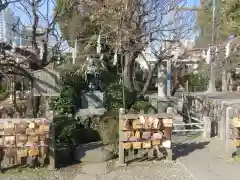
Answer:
[(183, 149)]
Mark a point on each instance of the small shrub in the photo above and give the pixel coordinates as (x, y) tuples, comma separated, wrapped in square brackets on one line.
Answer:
[(142, 105), (69, 99), (107, 78), (67, 130), (197, 82), (3, 95), (107, 128), (113, 97), (2, 89)]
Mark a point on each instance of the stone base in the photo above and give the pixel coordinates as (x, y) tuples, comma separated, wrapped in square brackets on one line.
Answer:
[(160, 103), (120, 164)]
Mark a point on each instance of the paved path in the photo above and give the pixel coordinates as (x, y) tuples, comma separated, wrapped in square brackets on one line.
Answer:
[(196, 159), (159, 170), (208, 160)]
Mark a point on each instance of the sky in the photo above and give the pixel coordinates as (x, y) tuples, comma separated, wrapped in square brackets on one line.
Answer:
[(43, 9), (193, 2), (22, 13)]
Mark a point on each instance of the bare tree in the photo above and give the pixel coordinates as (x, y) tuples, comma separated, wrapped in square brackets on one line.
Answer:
[(41, 36), (134, 25), (4, 4)]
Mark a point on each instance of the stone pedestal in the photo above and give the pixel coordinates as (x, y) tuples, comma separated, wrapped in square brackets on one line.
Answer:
[(161, 81)]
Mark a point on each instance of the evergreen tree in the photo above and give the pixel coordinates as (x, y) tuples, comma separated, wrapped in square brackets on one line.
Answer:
[(227, 20)]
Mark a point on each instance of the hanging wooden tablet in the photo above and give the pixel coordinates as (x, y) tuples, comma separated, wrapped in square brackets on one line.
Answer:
[(156, 123), (137, 134), (156, 138), (44, 128), (148, 123), (137, 124), (147, 144), (22, 153), (1, 126), (127, 145), (29, 131), (127, 124), (127, 135), (20, 128), (32, 125), (9, 128), (21, 140), (146, 135), (9, 141), (137, 145), (33, 138), (43, 147), (11, 154), (156, 142), (33, 152), (1, 141), (167, 122), (166, 143)]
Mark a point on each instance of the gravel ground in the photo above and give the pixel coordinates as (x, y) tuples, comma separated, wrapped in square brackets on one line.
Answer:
[(67, 173), (160, 170), (137, 171)]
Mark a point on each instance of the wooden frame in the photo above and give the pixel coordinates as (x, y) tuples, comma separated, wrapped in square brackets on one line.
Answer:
[(34, 138), (138, 143)]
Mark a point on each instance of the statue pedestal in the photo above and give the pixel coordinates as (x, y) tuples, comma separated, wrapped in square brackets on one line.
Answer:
[(161, 81)]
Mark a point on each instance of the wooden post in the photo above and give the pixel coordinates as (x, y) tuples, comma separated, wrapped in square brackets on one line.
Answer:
[(227, 127), (121, 154), (206, 127), (1, 159), (168, 134), (222, 127), (52, 153), (46, 106)]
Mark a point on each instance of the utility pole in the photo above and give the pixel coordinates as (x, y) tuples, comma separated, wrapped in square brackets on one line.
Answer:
[(211, 83)]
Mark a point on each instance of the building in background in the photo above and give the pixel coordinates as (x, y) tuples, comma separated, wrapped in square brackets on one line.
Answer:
[(7, 25)]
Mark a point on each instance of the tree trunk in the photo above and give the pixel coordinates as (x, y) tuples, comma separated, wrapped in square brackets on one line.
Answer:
[(127, 73), (148, 80)]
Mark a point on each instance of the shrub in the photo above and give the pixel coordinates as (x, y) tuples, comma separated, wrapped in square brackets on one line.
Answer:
[(107, 78), (107, 128), (2, 89), (69, 131), (69, 99), (142, 105), (66, 130), (3, 95), (197, 82), (113, 97)]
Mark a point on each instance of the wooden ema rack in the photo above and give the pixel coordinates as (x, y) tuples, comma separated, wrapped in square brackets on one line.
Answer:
[(144, 132), (23, 139), (236, 133)]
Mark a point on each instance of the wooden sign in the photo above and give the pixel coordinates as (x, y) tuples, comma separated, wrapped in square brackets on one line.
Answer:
[(46, 82)]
